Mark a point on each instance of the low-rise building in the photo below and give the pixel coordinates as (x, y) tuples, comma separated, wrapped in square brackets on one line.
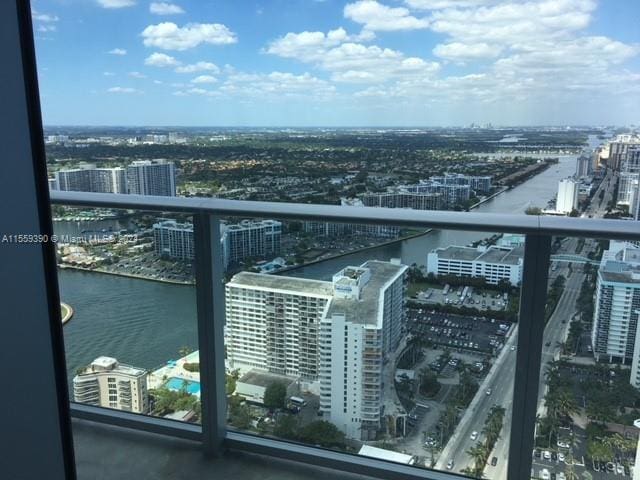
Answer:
[(253, 385), (494, 263), (108, 383)]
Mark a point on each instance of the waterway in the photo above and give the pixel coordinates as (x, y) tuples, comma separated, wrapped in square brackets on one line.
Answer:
[(145, 323)]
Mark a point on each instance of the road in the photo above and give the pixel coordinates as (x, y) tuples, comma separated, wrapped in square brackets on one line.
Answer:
[(502, 381)]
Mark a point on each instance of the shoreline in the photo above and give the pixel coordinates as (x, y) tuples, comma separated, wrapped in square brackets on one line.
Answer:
[(69, 314), (128, 275), (502, 190)]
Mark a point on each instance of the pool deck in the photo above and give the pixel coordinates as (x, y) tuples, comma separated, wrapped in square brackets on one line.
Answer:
[(67, 312), (158, 377)]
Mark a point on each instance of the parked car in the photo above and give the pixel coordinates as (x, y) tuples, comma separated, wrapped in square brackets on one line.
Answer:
[(544, 474), (450, 464), (547, 455), (494, 461), (474, 435)]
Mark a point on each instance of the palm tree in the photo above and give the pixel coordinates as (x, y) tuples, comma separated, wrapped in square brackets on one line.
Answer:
[(479, 454)]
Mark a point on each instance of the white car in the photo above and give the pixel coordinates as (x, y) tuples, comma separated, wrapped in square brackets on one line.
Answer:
[(560, 457), (544, 474), (547, 455), (619, 469), (513, 347), (449, 464), (474, 435), (488, 391), (560, 476)]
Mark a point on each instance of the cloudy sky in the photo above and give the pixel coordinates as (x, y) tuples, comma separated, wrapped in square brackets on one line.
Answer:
[(338, 63)]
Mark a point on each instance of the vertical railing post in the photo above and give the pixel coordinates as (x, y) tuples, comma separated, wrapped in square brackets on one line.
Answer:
[(533, 298), (210, 305)]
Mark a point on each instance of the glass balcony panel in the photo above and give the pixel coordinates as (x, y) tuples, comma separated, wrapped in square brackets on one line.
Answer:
[(129, 313), (403, 363)]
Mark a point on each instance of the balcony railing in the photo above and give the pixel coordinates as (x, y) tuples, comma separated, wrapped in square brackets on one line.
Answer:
[(213, 432)]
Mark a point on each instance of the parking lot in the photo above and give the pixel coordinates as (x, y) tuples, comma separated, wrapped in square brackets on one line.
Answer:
[(457, 332)]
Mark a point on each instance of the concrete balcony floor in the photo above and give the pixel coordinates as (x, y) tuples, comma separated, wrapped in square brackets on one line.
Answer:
[(112, 453)]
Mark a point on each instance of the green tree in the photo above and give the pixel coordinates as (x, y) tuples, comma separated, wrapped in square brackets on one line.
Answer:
[(275, 395), (479, 454), (240, 417), (286, 427), (322, 433)]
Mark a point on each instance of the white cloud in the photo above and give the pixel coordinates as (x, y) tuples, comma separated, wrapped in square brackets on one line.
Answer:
[(117, 51), (163, 8), (47, 28), (510, 23), (460, 51), (169, 36), (378, 17), (204, 79), (123, 90), (44, 17), (137, 75), (116, 3), (108, 74), (441, 4), (158, 82), (348, 61), (161, 60), (198, 67), (276, 86), (312, 45)]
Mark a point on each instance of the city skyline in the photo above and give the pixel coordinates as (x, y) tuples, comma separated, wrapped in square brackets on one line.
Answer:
[(360, 63)]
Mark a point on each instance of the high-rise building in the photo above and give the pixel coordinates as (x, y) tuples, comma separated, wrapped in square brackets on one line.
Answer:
[(334, 336), (567, 199), (617, 303), (251, 238), (240, 241), (107, 383), (620, 148), (173, 239), (151, 177), (584, 165), (403, 199), (628, 189), (494, 264), (91, 179)]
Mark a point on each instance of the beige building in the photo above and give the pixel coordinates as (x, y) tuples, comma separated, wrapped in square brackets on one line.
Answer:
[(107, 383)]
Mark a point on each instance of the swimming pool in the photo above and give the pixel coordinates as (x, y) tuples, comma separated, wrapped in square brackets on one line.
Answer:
[(177, 384)]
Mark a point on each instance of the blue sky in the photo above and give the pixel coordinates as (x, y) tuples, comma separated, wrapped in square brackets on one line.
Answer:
[(338, 63)]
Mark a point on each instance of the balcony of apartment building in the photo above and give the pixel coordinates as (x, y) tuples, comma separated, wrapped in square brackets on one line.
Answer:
[(45, 435)]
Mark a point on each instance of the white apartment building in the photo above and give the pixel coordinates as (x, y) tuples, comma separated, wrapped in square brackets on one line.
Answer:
[(238, 241), (584, 165), (107, 383), (614, 335), (494, 263), (251, 239), (567, 199), (173, 239), (333, 335), (88, 178), (151, 177)]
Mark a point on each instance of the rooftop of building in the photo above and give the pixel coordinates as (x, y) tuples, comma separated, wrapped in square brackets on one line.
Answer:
[(299, 286), (173, 224), (264, 379), (365, 309), (111, 365), (493, 254)]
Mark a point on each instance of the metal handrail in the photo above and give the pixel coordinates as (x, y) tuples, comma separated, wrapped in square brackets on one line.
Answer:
[(443, 220)]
